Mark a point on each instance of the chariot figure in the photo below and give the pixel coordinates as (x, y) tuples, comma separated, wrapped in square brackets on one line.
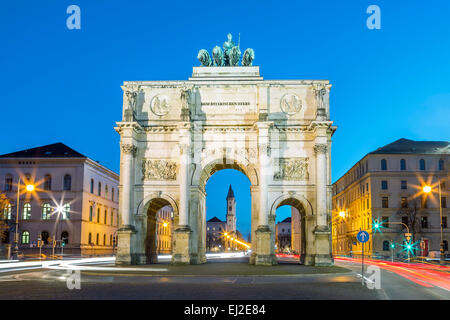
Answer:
[(231, 53)]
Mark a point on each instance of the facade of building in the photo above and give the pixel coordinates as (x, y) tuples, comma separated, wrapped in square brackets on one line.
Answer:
[(219, 233), (283, 232), (174, 135), (164, 230), (75, 199), (386, 186)]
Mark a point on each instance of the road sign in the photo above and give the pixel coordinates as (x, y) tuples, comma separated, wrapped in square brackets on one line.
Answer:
[(408, 236), (362, 236)]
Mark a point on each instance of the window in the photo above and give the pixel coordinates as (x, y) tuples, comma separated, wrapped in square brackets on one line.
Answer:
[(66, 211), (90, 213), (92, 185), (404, 185), (424, 222), (26, 214), (90, 238), (25, 237), (383, 164), (443, 202), (67, 182), (385, 222), (441, 165), (48, 182), (404, 221), (112, 218), (44, 236), (96, 240), (384, 185), (104, 239), (106, 215), (98, 215), (445, 245), (106, 191), (402, 164), (46, 211), (112, 194), (110, 239), (386, 245), (404, 202), (7, 211), (444, 222), (65, 237), (99, 188), (8, 182), (422, 164), (385, 202)]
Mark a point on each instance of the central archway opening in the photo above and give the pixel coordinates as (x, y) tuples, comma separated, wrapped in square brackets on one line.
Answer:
[(290, 231), (159, 236), (228, 215)]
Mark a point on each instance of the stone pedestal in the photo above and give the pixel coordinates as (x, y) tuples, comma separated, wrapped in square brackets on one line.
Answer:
[(323, 255), (264, 254), (124, 254), (181, 252)]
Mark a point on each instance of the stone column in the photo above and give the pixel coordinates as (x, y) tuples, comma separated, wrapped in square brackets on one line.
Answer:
[(126, 230), (321, 183), (265, 254), (322, 256), (183, 234)]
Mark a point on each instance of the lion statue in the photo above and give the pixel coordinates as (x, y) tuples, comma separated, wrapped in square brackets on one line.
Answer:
[(248, 57), (204, 58), (218, 56), (235, 55)]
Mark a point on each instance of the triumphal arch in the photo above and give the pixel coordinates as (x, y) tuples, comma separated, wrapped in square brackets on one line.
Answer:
[(175, 134)]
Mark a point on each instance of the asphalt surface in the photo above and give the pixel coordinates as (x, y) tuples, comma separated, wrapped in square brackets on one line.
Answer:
[(287, 281)]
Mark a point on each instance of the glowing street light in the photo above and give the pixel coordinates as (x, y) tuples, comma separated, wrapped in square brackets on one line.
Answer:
[(426, 189), (342, 214), (29, 187)]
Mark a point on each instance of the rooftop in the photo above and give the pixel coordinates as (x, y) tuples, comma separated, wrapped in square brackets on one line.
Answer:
[(405, 146), (55, 150)]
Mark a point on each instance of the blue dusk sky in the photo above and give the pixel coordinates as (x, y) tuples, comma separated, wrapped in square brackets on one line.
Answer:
[(61, 85)]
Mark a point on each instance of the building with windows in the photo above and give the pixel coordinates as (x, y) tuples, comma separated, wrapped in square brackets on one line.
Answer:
[(387, 187), (164, 230), (283, 234), (75, 200), (219, 233)]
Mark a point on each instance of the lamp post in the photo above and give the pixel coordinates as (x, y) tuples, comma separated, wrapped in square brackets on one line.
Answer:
[(29, 188), (428, 189)]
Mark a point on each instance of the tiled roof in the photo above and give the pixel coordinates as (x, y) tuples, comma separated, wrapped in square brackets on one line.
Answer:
[(402, 146), (56, 150)]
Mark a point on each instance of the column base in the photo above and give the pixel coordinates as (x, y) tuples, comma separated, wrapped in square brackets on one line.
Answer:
[(124, 254), (264, 253), (181, 248), (323, 256)]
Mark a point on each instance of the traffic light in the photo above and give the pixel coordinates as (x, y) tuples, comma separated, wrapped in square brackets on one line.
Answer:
[(392, 245), (377, 225)]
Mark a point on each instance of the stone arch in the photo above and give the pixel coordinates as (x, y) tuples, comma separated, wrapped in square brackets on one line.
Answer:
[(305, 210), (143, 206), (294, 200), (146, 214), (214, 165)]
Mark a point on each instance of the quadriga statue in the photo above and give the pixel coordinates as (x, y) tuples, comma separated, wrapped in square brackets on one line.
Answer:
[(218, 56), (204, 58), (235, 55), (247, 58)]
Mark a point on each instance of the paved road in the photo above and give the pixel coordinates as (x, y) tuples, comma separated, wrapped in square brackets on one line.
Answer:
[(400, 281), (117, 283)]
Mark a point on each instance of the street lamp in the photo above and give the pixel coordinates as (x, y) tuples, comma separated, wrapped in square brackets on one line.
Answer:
[(29, 188), (427, 189)]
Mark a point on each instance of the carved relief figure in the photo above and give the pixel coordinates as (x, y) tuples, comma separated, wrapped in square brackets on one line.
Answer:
[(159, 170), (160, 105), (291, 104), (292, 169)]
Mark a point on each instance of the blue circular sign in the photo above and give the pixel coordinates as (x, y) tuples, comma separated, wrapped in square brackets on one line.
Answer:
[(362, 236)]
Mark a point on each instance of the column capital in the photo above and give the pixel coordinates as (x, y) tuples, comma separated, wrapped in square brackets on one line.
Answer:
[(129, 148), (320, 148)]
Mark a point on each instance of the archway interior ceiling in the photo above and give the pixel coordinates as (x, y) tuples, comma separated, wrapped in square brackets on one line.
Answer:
[(293, 203), (155, 205)]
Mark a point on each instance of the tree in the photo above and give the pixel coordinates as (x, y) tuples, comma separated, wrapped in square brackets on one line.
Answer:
[(412, 222)]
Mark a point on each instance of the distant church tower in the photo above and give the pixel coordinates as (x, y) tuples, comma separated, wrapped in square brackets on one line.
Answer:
[(231, 211)]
